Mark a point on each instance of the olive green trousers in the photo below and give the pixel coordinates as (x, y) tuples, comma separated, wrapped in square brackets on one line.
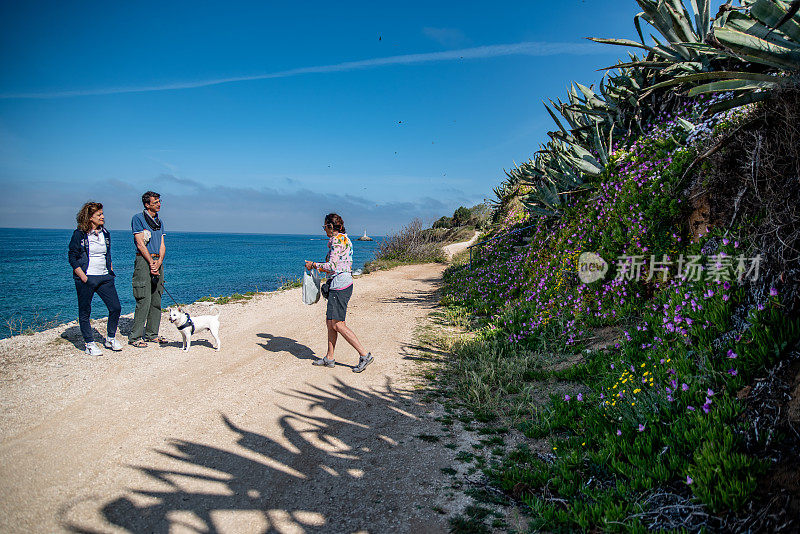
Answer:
[(147, 317)]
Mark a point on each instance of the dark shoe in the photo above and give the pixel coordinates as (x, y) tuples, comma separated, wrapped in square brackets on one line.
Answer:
[(363, 362), (324, 361), (158, 339), (138, 343)]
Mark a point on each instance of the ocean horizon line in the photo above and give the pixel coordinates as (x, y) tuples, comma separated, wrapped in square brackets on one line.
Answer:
[(187, 232)]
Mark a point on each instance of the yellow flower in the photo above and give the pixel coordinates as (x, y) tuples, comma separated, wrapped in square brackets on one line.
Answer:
[(643, 365), (615, 386), (584, 443), (646, 373), (669, 360), (633, 404), (637, 390), (554, 448)]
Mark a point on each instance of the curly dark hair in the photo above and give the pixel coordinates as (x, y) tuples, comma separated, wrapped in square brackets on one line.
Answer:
[(147, 196), (85, 213), (335, 222)]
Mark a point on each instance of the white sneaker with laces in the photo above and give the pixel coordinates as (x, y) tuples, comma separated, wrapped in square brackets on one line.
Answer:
[(113, 344), (93, 350)]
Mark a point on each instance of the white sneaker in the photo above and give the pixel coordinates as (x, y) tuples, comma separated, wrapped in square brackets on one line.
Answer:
[(93, 350), (113, 344)]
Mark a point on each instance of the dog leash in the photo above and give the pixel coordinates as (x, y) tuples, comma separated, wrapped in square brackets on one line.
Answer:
[(164, 285)]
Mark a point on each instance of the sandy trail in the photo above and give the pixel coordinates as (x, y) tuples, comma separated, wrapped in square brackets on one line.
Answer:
[(454, 248), (249, 439)]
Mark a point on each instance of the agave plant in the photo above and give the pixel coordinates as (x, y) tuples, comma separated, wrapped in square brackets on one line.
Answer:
[(746, 49), (588, 123)]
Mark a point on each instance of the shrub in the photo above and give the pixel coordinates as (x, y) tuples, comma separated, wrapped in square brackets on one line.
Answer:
[(461, 216), (443, 222), (412, 244)]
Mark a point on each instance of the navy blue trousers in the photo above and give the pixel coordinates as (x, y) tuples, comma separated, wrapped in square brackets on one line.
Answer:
[(103, 285)]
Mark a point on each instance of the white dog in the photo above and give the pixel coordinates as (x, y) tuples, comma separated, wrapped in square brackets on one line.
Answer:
[(188, 325)]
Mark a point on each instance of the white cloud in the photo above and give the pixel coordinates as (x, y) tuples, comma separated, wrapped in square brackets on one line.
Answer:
[(480, 52), (191, 206)]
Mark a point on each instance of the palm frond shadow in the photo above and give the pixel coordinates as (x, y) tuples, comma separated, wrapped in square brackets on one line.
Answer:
[(311, 478)]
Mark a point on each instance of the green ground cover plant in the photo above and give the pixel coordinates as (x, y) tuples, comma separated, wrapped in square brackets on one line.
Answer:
[(655, 412), (646, 398)]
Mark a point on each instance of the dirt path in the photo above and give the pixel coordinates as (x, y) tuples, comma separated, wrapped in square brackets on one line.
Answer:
[(249, 439), (454, 248)]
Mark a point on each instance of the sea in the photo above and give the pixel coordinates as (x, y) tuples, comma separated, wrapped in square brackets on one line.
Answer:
[(37, 288)]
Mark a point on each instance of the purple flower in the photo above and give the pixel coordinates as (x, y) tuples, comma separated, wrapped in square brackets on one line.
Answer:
[(612, 365), (731, 354), (641, 427), (580, 397), (685, 386), (733, 372), (725, 241), (773, 292), (689, 480), (619, 432), (602, 396), (710, 392), (566, 398), (690, 408), (669, 398)]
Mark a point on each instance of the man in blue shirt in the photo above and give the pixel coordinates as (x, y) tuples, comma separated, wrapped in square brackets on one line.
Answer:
[(148, 271)]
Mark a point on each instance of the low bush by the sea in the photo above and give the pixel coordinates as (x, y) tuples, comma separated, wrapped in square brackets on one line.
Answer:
[(411, 244)]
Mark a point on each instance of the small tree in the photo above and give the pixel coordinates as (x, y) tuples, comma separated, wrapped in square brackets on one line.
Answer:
[(461, 216), (444, 222)]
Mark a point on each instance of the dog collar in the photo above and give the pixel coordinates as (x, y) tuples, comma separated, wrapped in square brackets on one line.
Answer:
[(187, 324)]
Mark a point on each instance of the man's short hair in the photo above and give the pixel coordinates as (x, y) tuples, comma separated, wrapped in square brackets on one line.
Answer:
[(147, 196)]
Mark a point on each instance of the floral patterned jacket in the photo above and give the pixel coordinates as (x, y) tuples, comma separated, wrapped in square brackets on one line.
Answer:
[(339, 261)]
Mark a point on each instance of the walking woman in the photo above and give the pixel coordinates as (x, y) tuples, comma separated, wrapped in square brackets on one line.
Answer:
[(90, 258), (339, 266)]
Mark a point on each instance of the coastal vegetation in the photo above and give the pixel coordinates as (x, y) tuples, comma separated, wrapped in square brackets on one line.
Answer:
[(661, 392), (237, 297), (414, 243)]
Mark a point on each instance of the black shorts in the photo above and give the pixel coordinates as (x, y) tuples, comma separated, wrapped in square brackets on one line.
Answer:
[(337, 303)]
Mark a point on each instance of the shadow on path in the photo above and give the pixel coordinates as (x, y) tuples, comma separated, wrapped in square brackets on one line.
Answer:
[(74, 336), (286, 344), (424, 298), (336, 467)]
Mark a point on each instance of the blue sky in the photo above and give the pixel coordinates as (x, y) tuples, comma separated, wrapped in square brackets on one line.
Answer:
[(262, 117)]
